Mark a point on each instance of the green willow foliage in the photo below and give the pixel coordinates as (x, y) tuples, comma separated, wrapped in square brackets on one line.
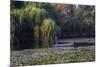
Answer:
[(32, 13), (34, 17), (36, 36), (48, 30)]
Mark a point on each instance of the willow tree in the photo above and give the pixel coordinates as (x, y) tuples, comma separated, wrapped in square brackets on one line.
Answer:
[(21, 18), (36, 15), (40, 14), (48, 30), (32, 16)]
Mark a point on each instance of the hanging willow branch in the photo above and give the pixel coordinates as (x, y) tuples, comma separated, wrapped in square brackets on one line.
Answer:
[(48, 32), (34, 17)]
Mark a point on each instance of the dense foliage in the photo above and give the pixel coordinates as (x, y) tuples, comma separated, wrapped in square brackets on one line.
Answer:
[(35, 25)]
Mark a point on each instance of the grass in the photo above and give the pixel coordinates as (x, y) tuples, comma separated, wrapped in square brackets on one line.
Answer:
[(57, 58)]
